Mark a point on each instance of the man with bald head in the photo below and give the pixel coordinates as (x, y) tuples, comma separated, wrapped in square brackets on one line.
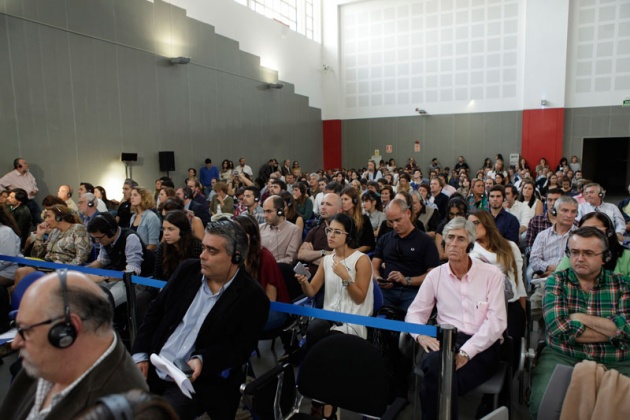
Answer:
[(71, 356), (65, 193), (315, 246)]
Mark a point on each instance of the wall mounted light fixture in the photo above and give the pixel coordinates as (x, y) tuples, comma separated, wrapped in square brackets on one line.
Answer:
[(544, 102), (180, 60)]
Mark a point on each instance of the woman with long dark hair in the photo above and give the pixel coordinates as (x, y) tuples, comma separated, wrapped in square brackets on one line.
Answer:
[(261, 266), (9, 245), (178, 244), (351, 205), (175, 203), (528, 196), (289, 210), (101, 194), (303, 204)]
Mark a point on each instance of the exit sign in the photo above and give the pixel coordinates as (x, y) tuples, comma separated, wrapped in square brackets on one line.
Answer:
[(626, 102)]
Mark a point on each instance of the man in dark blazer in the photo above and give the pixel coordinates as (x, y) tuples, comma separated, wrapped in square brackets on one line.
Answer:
[(201, 211), (71, 356), (210, 314)]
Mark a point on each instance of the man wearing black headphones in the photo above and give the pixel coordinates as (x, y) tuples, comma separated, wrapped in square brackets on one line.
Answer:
[(468, 295), (594, 195), (281, 237), (586, 309), (251, 198), (120, 249), (210, 314), (71, 356)]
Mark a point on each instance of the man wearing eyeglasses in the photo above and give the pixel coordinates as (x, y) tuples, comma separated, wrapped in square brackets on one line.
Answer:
[(403, 257), (586, 310), (61, 375)]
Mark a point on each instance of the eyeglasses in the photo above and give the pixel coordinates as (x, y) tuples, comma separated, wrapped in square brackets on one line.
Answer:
[(334, 232), (23, 331), (574, 253), (456, 214), (98, 238)]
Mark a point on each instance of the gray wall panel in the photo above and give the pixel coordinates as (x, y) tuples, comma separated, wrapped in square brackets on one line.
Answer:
[(107, 87), (92, 17), (49, 12)]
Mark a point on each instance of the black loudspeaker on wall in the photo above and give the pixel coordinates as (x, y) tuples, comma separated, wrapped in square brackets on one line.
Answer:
[(167, 161), (129, 157)]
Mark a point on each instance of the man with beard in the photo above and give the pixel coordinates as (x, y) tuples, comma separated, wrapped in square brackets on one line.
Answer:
[(71, 356)]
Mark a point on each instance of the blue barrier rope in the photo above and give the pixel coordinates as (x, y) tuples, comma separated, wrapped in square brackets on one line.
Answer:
[(381, 323)]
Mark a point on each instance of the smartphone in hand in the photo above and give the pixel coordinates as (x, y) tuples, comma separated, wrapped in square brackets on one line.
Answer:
[(300, 269), (183, 366)]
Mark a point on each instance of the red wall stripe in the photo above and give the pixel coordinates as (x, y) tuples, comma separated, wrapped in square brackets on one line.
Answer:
[(332, 144), (543, 131)]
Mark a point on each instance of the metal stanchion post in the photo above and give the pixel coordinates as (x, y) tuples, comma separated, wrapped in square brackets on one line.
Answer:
[(446, 335), (131, 307)]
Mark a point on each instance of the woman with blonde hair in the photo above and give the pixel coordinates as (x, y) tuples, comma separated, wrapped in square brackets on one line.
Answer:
[(143, 220)]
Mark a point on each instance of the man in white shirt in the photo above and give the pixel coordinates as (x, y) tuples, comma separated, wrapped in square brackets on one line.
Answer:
[(468, 294), (21, 177), (242, 167), (518, 209), (594, 195)]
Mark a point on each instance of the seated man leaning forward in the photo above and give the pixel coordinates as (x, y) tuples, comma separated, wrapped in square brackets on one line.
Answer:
[(402, 257), (210, 314), (468, 294), (586, 310), (71, 356)]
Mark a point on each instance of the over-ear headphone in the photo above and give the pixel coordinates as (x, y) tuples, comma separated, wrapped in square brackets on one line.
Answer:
[(118, 406), (59, 215), (606, 255), (256, 199), (280, 212), (91, 202), (237, 258), (355, 200), (111, 229), (602, 193), (63, 334), (554, 212)]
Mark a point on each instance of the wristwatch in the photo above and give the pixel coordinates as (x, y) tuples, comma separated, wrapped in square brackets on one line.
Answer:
[(408, 280), (323, 252), (346, 283), (464, 354)]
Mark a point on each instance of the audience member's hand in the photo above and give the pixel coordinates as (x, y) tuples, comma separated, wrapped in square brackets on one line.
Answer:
[(42, 228), (301, 278), (195, 365), (460, 361), (396, 276), (307, 246), (340, 269), (428, 343), (383, 284), (144, 368)]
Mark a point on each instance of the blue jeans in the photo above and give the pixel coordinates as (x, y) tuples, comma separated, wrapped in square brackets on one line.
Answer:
[(275, 321), (400, 297)]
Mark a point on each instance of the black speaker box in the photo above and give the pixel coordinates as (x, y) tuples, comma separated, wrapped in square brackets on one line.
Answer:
[(129, 157), (167, 161)]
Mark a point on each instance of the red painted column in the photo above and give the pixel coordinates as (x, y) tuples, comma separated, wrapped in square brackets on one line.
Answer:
[(543, 131), (332, 144)]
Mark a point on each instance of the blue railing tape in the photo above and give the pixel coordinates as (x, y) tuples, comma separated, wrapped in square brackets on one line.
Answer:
[(381, 323), (368, 321)]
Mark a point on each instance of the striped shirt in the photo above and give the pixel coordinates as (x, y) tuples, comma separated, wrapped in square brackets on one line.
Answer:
[(610, 298), (548, 248)]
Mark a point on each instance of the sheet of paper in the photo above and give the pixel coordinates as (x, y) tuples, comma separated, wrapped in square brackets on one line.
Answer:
[(176, 374), (8, 336)]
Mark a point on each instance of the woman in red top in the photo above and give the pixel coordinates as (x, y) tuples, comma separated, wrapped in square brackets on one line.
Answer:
[(262, 266)]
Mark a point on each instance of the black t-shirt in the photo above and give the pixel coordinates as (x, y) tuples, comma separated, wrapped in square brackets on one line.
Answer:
[(412, 255)]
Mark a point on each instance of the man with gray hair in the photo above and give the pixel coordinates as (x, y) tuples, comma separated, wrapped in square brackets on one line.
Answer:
[(210, 315), (71, 356), (468, 294), (87, 207), (402, 257), (594, 195)]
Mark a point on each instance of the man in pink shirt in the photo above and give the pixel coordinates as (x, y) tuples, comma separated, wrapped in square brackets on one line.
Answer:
[(468, 294), (21, 177)]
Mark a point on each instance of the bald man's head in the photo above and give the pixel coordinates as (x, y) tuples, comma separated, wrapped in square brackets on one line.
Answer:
[(330, 206)]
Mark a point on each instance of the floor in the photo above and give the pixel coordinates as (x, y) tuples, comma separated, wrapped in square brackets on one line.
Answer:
[(468, 405)]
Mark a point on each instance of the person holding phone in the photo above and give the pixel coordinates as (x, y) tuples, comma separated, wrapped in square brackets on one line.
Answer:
[(347, 276)]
